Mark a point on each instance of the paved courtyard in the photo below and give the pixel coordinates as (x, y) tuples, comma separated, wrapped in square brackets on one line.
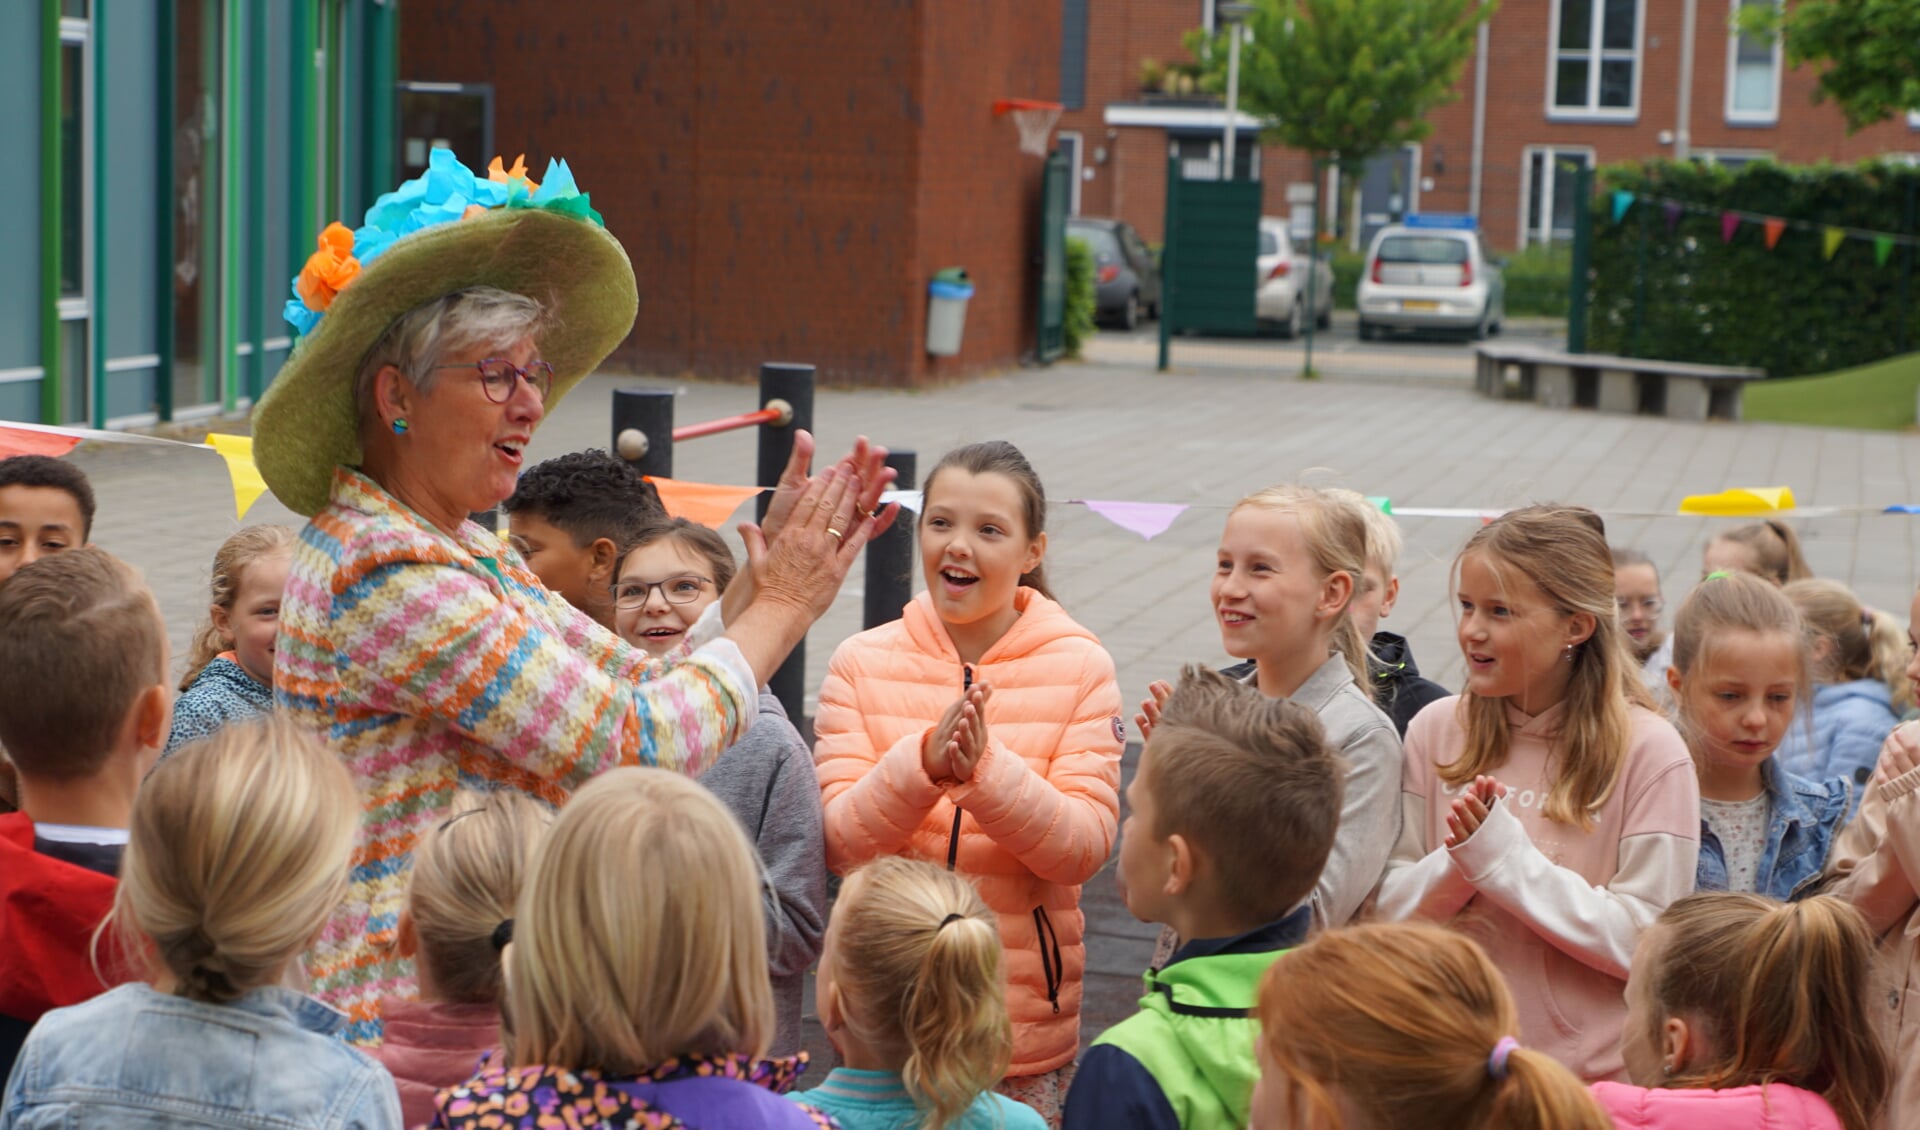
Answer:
[(1226, 424)]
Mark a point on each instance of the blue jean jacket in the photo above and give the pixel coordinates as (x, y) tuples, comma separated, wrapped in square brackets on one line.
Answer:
[(1803, 818), (133, 1056)]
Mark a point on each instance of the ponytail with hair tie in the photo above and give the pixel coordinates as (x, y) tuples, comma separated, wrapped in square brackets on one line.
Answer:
[(1497, 1062)]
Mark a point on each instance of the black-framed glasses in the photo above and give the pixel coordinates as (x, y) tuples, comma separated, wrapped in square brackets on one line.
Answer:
[(497, 377), (684, 589)]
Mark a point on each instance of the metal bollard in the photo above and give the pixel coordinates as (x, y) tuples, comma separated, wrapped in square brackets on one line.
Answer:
[(793, 384), (890, 556), (643, 429)]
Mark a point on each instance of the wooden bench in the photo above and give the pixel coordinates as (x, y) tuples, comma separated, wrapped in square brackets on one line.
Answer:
[(1602, 381)]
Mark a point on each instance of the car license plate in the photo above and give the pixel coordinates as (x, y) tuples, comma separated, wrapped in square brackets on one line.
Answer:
[(1426, 307)]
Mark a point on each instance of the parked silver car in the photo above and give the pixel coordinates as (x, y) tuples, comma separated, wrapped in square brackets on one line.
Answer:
[(1431, 273), (1281, 276)]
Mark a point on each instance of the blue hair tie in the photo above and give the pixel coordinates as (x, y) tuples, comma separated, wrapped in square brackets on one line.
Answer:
[(1497, 1062)]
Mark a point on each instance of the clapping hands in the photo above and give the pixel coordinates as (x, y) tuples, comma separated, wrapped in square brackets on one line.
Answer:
[(1470, 809)]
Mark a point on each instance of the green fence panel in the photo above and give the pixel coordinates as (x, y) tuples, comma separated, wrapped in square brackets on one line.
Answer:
[(1054, 195), (1213, 244)]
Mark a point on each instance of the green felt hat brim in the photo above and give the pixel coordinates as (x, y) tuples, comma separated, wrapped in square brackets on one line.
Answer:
[(307, 424)]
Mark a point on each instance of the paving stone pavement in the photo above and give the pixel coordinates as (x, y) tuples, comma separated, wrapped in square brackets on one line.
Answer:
[(1204, 436)]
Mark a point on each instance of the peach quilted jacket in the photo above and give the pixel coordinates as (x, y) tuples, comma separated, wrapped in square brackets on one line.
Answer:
[(1039, 815)]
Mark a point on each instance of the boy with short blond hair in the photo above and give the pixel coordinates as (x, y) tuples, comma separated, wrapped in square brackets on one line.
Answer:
[(85, 715), (1232, 814)]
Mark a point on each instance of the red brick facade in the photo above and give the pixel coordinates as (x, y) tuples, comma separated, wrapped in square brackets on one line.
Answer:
[(785, 174), (1130, 184)]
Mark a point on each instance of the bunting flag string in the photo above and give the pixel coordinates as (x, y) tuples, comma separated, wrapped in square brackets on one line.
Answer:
[(708, 504), (1833, 236), (235, 451)]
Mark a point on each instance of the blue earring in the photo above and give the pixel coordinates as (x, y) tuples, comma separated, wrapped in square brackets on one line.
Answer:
[(399, 427)]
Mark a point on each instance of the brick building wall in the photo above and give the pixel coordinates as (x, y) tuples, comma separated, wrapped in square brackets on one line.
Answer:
[(1130, 184), (786, 176)]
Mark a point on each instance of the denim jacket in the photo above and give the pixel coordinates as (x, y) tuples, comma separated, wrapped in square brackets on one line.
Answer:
[(1803, 818), (137, 1057)]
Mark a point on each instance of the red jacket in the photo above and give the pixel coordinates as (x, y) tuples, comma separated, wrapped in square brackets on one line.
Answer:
[(49, 910)]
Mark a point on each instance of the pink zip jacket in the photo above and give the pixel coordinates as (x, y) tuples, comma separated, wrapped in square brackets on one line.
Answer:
[(1774, 1106), (1042, 808)]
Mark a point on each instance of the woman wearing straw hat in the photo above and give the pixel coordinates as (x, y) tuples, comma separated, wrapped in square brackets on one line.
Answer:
[(433, 340)]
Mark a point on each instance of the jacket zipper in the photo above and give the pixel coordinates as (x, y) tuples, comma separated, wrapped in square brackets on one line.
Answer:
[(1050, 967)]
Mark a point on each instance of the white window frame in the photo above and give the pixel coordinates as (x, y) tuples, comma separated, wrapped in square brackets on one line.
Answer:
[(1719, 155), (1544, 234), (1073, 169), (1593, 111), (1750, 117)]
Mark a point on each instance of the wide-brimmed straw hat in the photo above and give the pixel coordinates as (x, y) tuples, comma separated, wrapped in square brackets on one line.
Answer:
[(445, 231)]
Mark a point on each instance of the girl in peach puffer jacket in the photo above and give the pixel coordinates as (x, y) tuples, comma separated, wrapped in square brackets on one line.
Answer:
[(982, 731)]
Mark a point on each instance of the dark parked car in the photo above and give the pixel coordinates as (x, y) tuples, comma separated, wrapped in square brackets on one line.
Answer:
[(1126, 280)]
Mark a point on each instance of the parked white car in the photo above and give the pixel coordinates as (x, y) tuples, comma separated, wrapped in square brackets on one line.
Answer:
[(1431, 273), (1281, 276)]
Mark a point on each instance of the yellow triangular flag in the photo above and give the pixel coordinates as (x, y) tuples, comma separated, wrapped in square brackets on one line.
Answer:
[(1739, 502), (1834, 238), (248, 486)]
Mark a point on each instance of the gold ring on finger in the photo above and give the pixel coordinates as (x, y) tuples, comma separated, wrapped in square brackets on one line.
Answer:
[(837, 535)]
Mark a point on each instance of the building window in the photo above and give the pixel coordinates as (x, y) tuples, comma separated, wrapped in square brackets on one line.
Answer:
[(1753, 72), (1070, 144), (1073, 54), (74, 105), (1733, 160), (1548, 181), (1201, 155), (1596, 58)]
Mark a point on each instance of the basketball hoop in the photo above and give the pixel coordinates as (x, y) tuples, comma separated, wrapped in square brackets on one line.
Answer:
[(1034, 119)]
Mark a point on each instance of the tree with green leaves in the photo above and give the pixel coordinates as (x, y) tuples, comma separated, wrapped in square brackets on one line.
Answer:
[(1347, 80), (1869, 51)]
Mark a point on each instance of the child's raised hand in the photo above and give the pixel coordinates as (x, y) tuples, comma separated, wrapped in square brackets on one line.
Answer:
[(1901, 751), (936, 748), (1149, 716), (970, 735), (1470, 809)]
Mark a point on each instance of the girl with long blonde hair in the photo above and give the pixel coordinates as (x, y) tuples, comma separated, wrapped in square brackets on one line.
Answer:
[(911, 992), (1860, 688), (230, 669), (237, 853), (1390, 1025), (1548, 808), (637, 979), (1766, 1007)]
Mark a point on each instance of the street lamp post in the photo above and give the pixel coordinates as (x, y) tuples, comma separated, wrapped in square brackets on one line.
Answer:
[(1231, 16)]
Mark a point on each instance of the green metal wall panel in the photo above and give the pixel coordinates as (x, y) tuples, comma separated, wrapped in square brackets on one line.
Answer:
[(130, 152), (1213, 245), (20, 134)]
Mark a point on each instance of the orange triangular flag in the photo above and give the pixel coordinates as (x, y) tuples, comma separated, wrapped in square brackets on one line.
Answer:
[(26, 441), (1774, 225), (706, 503)]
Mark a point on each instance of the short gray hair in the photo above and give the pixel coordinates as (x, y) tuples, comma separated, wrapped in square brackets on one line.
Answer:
[(418, 339)]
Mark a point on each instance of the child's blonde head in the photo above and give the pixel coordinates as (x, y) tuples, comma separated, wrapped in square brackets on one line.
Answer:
[(237, 854), (1563, 551), (1773, 550), (1384, 542), (1336, 540), (915, 964), (1721, 606), (639, 934), (230, 562), (1852, 640), (467, 875), (1402, 1023), (1775, 993)]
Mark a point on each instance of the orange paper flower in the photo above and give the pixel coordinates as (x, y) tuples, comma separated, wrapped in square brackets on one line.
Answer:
[(500, 175), (329, 269)]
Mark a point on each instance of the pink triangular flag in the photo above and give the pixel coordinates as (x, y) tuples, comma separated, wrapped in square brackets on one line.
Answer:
[(709, 504), (33, 441), (1148, 519), (1729, 223)]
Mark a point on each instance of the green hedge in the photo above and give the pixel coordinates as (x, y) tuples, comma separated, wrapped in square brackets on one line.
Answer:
[(1081, 299), (1684, 295)]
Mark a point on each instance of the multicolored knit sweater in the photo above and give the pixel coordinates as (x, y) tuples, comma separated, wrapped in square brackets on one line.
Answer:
[(432, 662)]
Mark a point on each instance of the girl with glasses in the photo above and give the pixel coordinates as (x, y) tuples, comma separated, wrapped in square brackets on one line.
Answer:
[(667, 577)]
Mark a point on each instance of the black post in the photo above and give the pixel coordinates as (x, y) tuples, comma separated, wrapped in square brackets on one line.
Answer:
[(1906, 269), (1582, 259), (793, 384), (1639, 283), (648, 411), (890, 556)]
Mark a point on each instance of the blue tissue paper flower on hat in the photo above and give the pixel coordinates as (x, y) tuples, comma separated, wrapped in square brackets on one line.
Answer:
[(446, 193)]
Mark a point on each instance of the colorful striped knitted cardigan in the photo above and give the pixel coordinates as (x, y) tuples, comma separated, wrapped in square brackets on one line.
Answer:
[(432, 663)]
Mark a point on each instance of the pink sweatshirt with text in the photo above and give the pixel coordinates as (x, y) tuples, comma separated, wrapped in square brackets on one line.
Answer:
[(1558, 909)]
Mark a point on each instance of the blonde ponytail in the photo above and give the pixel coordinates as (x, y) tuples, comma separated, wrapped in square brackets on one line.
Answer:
[(246, 546), (1861, 643), (1412, 1025), (466, 877), (916, 960)]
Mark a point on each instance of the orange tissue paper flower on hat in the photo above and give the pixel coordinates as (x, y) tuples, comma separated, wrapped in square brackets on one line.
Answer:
[(500, 175), (330, 268)]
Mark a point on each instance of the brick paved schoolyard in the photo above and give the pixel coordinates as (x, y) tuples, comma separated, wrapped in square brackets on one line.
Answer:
[(1206, 436)]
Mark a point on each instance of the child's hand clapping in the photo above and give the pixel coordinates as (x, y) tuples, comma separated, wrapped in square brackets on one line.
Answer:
[(941, 751), (1470, 809), (1901, 752), (970, 736), (1149, 716)]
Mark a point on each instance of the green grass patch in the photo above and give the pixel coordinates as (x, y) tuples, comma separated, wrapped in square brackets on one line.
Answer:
[(1878, 396)]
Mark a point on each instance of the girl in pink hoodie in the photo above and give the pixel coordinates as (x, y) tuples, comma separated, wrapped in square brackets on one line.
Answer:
[(1746, 1012), (981, 731), (1547, 810)]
